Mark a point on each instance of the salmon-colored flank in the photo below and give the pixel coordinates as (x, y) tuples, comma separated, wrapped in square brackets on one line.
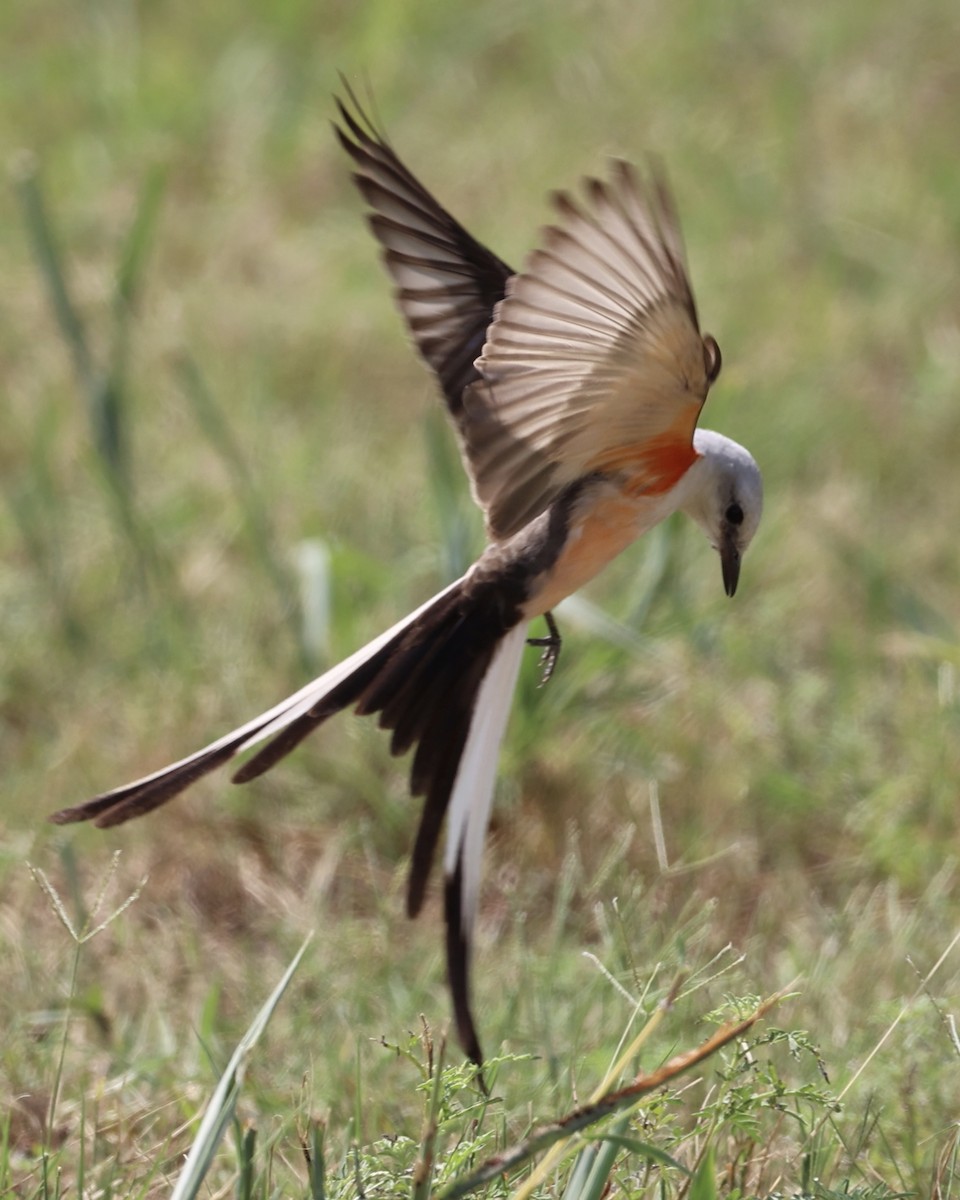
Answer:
[(595, 539)]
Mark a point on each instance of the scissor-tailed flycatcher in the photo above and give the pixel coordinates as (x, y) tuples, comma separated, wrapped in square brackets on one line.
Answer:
[(575, 388)]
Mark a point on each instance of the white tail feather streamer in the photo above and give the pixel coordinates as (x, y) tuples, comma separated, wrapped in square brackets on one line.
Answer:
[(472, 795)]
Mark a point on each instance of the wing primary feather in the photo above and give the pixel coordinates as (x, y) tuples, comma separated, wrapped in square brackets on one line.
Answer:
[(449, 289)]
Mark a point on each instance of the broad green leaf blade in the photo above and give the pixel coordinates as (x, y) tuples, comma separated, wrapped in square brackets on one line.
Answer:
[(704, 1183), (644, 1150)]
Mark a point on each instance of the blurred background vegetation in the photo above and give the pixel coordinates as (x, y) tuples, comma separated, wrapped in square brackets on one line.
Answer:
[(222, 467)]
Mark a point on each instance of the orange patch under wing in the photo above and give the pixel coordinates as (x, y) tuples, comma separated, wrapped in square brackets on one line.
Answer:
[(655, 464)]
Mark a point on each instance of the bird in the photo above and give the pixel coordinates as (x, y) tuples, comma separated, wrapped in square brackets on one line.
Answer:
[(574, 387)]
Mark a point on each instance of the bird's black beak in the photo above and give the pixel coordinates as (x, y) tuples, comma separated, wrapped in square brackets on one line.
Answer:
[(730, 564)]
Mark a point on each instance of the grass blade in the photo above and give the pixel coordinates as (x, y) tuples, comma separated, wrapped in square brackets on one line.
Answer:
[(111, 423), (222, 1105), (423, 1171), (703, 1186), (317, 1164), (104, 390), (46, 251), (218, 432), (246, 1152), (137, 246), (597, 1180)]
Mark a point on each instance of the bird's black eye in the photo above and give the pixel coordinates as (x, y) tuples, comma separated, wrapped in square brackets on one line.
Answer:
[(734, 514)]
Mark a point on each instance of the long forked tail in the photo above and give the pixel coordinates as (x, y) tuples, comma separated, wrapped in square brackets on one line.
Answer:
[(442, 680)]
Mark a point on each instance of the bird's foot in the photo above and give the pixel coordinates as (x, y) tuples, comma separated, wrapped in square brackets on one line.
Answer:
[(551, 649)]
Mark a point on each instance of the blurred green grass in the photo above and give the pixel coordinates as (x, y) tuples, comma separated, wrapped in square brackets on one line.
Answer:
[(803, 738)]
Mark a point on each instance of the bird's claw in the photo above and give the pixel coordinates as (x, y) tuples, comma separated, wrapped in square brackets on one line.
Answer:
[(551, 649)]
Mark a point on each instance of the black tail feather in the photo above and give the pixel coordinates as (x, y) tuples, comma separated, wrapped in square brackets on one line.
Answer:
[(458, 971), (341, 697), (423, 683), (138, 799)]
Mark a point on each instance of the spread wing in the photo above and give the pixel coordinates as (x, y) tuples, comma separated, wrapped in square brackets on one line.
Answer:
[(447, 283), (594, 361)]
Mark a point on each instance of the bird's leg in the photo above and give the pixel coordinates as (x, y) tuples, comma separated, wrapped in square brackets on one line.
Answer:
[(551, 648)]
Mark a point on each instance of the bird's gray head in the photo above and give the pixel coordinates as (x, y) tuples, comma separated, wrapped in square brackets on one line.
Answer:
[(725, 499)]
